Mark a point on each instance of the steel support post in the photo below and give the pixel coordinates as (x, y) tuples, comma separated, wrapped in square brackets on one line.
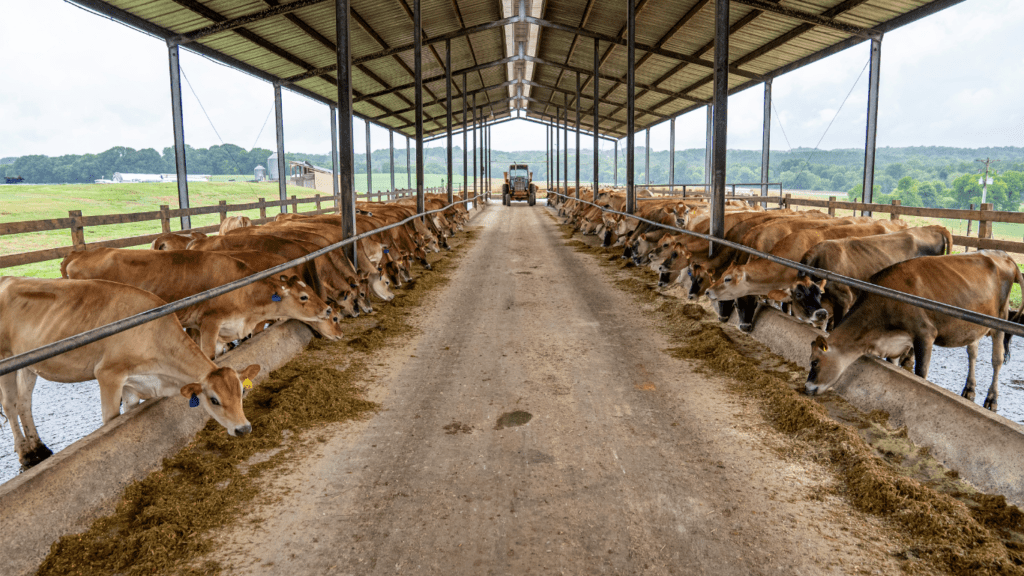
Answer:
[(476, 176), (489, 185), (179, 135), (766, 137), (369, 163), (448, 106), (721, 119), (558, 148), (417, 49), (867, 195), (615, 166), (630, 105), (647, 157), (465, 144), (282, 169), (547, 155), (672, 155), (334, 159), (391, 157), (578, 137), (709, 138), (597, 120), (408, 163), (565, 151), (346, 156)]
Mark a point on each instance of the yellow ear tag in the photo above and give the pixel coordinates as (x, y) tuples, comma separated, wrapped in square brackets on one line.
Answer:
[(824, 348), (247, 384)]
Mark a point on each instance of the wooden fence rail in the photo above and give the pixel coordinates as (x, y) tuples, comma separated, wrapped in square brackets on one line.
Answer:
[(77, 223)]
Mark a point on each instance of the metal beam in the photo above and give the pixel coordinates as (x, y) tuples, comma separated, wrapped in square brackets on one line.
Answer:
[(597, 121), (672, 155), (721, 120), (391, 156), (766, 138), (647, 156), (335, 168), (437, 78), (448, 94), (465, 147), (558, 148), (417, 55), (180, 167), (811, 18), (577, 135), (408, 162), (369, 163), (615, 168), (227, 25), (867, 194), (346, 144), (282, 166), (565, 150), (476, 179), (630, 105)]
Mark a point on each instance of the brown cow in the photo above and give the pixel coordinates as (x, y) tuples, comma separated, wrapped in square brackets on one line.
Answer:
[(153, 360), (175, 240), (234, 222), (980, 281)]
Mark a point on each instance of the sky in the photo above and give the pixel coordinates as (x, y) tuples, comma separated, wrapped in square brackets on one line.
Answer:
[(952, 79)]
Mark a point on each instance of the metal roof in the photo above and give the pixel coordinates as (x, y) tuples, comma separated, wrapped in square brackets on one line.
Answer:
[(293, 43)]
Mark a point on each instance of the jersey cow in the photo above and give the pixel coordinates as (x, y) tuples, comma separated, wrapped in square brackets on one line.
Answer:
[(153, 360)]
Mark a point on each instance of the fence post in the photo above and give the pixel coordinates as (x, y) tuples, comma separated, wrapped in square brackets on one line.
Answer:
[(165, 218), (77, 231), (263, 209), (317, 202), (785, 201), (968, 227), (832, 206), (984, 226), (295, 206), (223, 210), (895, 214)]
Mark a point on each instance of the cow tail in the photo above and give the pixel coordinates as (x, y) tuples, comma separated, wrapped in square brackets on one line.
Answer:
[(949, 241)]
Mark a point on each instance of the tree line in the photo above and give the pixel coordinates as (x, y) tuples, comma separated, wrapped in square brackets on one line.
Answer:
[(917, 176)]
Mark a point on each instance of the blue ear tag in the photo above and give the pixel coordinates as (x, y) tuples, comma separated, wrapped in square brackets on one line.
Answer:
[(275, 298), (386, 251), (353, 286), (193, 402)]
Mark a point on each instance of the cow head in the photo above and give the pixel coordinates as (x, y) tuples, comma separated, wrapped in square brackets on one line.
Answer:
[(220, 393), (805, 297), (730, 285), (700, 279), (827, 364), (329, 328), (380, 286), (345, 302), (297, 300)]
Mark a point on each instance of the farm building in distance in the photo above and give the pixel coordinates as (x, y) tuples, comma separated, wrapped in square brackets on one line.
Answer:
[(126, 178)]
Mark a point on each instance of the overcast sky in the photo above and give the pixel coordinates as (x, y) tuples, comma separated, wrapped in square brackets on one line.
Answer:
[(73, 82)]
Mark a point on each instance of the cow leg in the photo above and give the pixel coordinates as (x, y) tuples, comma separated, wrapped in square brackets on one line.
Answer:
[(972, 355), (746, 309), (725, 309), (208, 332), (26, 384), (992, 398), (111, 388), (923, 356), (29, 454)]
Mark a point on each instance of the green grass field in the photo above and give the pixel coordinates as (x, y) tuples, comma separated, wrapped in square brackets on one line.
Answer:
[(39, 202)]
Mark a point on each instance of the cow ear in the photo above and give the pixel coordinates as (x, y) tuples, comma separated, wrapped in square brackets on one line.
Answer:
[(250, 372), (189, 389), (779, 295), (283, 277), (822, 282), (820, 343)]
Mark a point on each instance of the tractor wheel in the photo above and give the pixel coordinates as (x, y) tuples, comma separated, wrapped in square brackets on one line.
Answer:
[(533, 195)]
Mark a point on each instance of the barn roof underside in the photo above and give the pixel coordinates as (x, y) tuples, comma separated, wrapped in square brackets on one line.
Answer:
[(293, 43)]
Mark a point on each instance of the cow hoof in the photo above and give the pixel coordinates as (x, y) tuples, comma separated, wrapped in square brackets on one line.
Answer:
[(723, 318), (992, 405), (35, 456), (745, 327), (969, 394)]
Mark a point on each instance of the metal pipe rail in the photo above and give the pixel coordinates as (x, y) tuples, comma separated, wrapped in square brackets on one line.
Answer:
[(954, 311), (24, 359)]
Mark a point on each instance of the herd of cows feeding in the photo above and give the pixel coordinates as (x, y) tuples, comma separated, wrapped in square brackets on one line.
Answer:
[(174, 354), (914, 260)]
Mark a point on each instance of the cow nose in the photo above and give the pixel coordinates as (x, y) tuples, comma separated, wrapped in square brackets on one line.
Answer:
[(820, 314), (243, 430)]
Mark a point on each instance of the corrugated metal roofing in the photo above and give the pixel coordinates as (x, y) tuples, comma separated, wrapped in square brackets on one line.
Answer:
[(297, 48)]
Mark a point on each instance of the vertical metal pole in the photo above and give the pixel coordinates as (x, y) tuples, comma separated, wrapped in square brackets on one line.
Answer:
[(721, 118), (578, 137), (766, 136), (615, 167), (476, 178), (345, 142), (391, 156), (709, 139), (488, 160), (334, 159), (597, 121), (872, 125), (558, 150), (465, 144), (369, 163), (448, 96), (565, 151), (547, 155), (408, 163), (647, 157), (282, 171), (672, 155), (417, 49), (630, 105), (179, 135)]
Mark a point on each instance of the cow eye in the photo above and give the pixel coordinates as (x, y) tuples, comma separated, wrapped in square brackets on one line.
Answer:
[(814, 363), (214, 401), (727, 279), (304, 298)]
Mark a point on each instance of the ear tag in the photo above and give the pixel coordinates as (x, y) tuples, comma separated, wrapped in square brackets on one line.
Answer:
[(353, 286), (824, 347), (275, 298), (193, 402), (247, 384), (386, 251)]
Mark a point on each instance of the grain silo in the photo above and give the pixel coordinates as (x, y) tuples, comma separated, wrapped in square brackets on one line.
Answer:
[(272, 167), (260, 173)]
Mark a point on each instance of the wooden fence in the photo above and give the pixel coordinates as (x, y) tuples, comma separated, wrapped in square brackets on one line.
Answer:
[(77, 223)]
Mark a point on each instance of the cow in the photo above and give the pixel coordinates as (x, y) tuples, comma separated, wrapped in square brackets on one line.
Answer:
[(175, 240), (153, 360), (979, 281), (858, 258), (173, 275), (233, 222)]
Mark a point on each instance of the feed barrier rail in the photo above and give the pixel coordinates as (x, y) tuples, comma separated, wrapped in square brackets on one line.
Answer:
[(24, 359), (992, 322)]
